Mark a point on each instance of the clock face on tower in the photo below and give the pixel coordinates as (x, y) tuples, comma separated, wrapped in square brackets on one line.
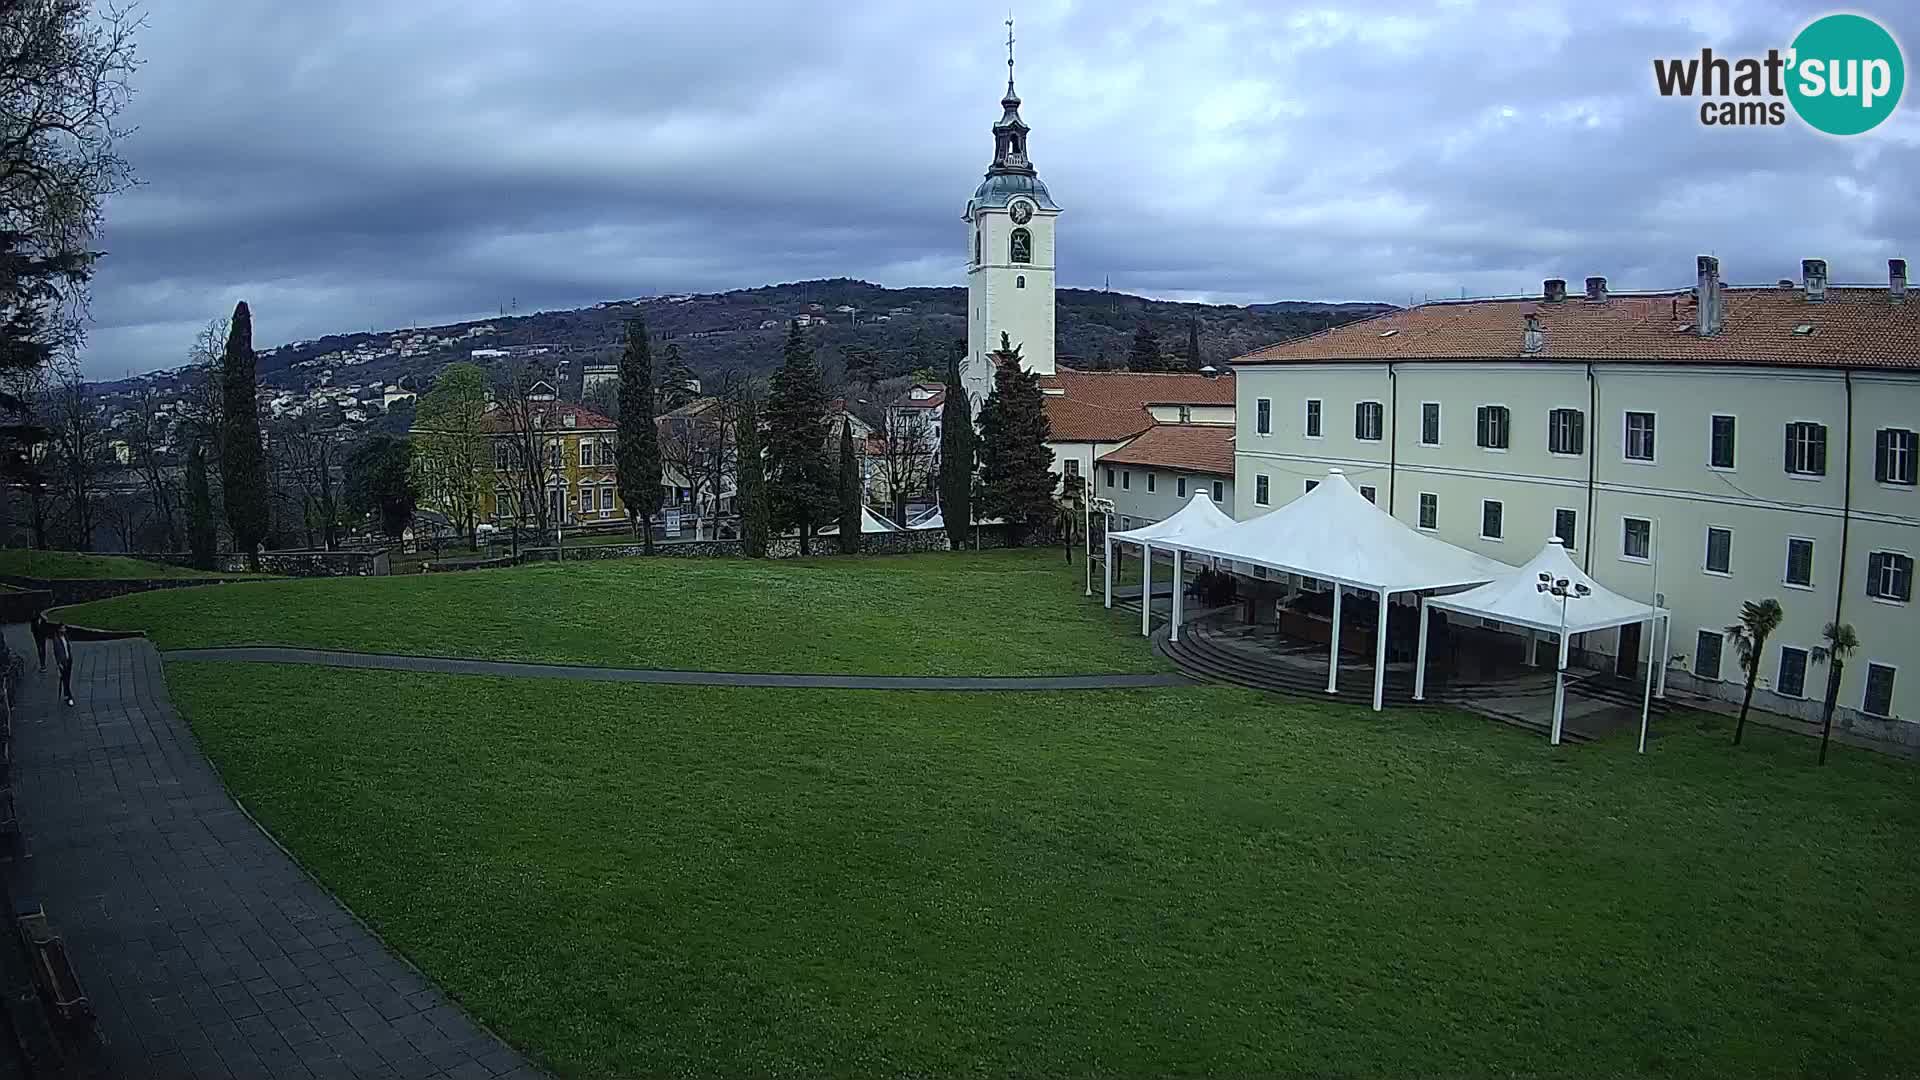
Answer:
[(1022, 212)]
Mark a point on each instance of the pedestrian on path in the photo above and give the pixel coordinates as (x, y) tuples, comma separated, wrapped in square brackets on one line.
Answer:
[(63, 655), (42, 630)]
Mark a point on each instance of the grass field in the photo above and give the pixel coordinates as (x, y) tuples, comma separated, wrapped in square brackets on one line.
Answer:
[(81, 564), (992, 613), (637, 880)]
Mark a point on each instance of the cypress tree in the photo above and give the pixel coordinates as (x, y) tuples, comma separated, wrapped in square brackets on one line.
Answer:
[(676, 380), (799, 480), (956, 458), (750, 492), (202, 538), (1145, 354), (1016, 475), (243, 461), (1193, 344), (637, 460), (850, 518)]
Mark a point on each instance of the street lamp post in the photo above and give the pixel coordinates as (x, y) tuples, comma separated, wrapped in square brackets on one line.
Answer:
[(1566, 591)]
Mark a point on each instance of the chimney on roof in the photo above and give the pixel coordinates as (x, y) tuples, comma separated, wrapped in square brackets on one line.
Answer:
[(1534, 340), (1707, 301), (1597, 290), (1555, 289), (1897, 280), (1814, 271)]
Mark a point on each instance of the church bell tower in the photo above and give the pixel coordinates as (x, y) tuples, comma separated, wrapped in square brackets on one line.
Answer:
[(1009, 254)]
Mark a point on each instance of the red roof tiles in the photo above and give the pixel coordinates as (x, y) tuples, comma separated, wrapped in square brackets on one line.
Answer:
[(1110, 406), (1203, 448)]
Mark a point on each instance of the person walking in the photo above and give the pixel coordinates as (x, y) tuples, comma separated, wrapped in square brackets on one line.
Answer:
[(63, 655), (42, 630)]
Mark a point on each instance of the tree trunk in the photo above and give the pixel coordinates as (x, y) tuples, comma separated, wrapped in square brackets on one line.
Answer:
[(1740, 728), (1826, 713)]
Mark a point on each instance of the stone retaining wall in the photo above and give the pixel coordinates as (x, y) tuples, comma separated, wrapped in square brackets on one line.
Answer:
[(60, 592), (904, 542), (291, 563)]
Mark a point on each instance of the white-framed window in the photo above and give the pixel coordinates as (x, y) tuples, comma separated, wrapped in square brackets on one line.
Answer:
[(1186, 414), (1806, 449), (1895, 453), (1313, 418), (1109, 476), (1020, 281), (1126, 479), (1707, 648), (1890, 576), (1721, 430), (1150, 480), (586, 453), (1493, 427), (1567, 432), (1878, 699), (1566, 526), (1636, 538), (1719, 550), (1180, 487), (503, 503), (586, 499), (557, 454), (1799, 562), (1370, 493), (1792, 679), (1429, 511), (1429, 423), (1263, 416), (606, 498), (1368, 421), (1219, 492), (1637, 437), (501, 458), (1492, 519), (1261, 494)]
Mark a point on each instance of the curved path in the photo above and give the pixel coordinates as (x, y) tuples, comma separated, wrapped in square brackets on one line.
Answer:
[(275, 654), (205, 949)]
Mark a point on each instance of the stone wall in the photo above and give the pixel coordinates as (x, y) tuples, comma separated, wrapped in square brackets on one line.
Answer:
[(292, 563), (785, 547), (60, 592)]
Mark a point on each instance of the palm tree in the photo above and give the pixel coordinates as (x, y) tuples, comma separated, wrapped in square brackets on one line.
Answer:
[(1757, 623), (1840, 645)]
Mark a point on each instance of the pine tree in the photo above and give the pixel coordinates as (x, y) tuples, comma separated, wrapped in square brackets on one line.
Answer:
[(676, 380), (956, 457), (1016, 476), (202, 537), (243, 461), (637, 460), (1145, 355), (799, 479), (1194, 360), (850, 501), (750, 489)]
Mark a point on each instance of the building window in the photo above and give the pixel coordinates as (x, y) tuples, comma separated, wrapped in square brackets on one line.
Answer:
[(1720, 442), (1126, 479), (1073, 469), (1890, 576), (1879, 697), (1370, 493), (1719, 550), (1793, 672), (1894, 456), (1260, 490), (1492, 426), (1263, 416), (1638, 445), (1219, 492), (1706, 655), (1636, 538), (1021, 246), (586, 500), (1149, 480), (1566, 527), (1179, 487), (1566, 432), (606, 499), (586, 453), (1492, 519), (1020, 281), (1800, 562), (500, 459), (1109, 476), (503, 503), (1367, 421), (1429, 510), (1430, 423), (976, 246), (1186, 414), (557, 455), (1313, 418), (1807, 449)]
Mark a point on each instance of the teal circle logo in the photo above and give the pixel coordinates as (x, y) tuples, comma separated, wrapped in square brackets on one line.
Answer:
[(1845, 75)]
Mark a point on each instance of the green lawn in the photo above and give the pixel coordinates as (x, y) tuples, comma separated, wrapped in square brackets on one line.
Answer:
[(80, 564), (631, 880), (991, 613)]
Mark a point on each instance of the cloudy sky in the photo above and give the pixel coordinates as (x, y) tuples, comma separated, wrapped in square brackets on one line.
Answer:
[(360, 164)]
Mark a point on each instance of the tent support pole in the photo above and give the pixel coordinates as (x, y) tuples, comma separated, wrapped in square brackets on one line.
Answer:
[(1173, 634), (1646, 695), (1530, 659), (1380, 655), (1559, 690), (1666, 650), (1107, 570), (1333, 648), (1420, 664), (1146, 588)]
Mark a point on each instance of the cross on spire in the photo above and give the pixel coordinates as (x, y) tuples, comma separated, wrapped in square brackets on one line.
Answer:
[(1009, 52)]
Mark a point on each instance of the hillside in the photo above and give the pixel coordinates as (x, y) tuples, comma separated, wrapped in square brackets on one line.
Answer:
[(743, 330)]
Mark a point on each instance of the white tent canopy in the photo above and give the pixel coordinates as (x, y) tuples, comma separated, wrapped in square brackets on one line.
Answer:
[(870, 522), (932, 519), (1553, 595), (1198, 518), (1334, 533)]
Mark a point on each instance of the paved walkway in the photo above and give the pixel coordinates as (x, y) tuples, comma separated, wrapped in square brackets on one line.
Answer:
[(207, 952), (274, 654)]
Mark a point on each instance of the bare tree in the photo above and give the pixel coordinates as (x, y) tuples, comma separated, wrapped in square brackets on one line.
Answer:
[(78, 445), (907, 453), (533, 453), (147, 449), (697, 449), (306, 458)]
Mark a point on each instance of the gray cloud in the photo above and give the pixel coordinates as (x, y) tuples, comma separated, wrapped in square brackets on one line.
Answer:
[(349, 165)]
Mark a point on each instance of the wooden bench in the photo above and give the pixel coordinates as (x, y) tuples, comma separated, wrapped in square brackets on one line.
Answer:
[(52, 970)]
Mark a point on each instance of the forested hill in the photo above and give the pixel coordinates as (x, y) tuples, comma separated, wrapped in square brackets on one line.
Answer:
[(904, 329)]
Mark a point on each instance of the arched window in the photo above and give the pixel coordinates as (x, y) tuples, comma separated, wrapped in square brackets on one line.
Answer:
[(1022, 245), (976, 247), (1020, 282)]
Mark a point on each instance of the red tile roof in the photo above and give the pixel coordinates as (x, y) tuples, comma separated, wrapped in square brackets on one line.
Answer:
[(1109, 406), (1203, 448), (555, 414), (1854, 326), (1077, 421)]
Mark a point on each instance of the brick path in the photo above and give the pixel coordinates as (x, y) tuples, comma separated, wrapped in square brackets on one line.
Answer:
[(206, 951)]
